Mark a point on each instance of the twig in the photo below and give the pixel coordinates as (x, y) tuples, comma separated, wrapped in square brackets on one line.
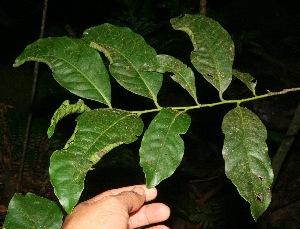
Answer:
[(31, 104), (203, 7), (6, 150), (237, 101)]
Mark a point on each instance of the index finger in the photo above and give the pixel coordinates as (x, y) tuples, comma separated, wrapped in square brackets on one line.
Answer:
[(150, 193)]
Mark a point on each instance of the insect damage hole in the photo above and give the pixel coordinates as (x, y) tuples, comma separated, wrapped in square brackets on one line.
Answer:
[(259, 197), (261, 177)]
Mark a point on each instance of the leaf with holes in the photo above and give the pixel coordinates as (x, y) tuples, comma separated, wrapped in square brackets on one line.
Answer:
[(213, 52), (98, 132), (32, 211), (128, 53), (247, 163), (162, 148), (75, 66)]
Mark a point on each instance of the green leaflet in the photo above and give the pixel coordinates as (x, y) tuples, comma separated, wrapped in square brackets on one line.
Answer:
[(32, 211), (98, 132), (247, 163), (64, 110), (162, 148), (213, 49), (75, 66), (183, 75), (128, 53), (246, 78)]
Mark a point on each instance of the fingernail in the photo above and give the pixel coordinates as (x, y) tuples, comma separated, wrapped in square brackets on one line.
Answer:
[(139, 191)]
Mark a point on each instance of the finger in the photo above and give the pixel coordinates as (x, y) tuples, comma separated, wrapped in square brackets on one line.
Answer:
[(159, 227), (132, 200), (149, 214), (150, 193)]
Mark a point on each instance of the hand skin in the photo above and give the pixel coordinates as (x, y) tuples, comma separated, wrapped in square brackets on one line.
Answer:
[(119, 209)]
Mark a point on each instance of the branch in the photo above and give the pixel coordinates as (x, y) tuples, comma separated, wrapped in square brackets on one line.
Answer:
[(31, 103), (237, 101)]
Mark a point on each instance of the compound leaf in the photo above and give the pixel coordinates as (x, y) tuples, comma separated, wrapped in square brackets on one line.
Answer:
[(247, 163), (32, 211), (162, 148), (213, 52), (65, 109), (98, 132), (128, 53), (75, 66)]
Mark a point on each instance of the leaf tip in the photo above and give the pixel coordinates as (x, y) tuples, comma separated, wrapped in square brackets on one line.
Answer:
[(50, 131), (17, 63)]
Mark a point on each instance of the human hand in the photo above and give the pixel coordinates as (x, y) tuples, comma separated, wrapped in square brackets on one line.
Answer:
[(119, 209)]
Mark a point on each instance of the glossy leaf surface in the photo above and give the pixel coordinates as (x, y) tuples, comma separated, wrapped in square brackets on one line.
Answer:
[(162, 148), (98, 132), (247, 163), (213, 52), (128, 53), (32, 211), (66, 109), (75, 66)]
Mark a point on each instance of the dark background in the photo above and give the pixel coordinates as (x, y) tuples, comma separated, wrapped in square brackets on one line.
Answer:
[(267, 39)]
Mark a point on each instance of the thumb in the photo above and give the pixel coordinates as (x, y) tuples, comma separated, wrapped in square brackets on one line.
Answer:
[(133, 200)]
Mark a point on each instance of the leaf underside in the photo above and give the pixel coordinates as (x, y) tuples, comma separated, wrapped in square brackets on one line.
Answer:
[(98, 132), (162, 148), (247, 163)]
